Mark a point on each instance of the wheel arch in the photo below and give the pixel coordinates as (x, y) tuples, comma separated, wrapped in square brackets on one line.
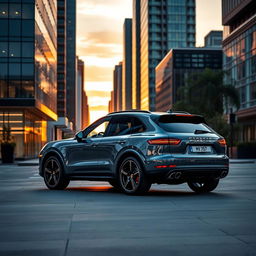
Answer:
[(49, 154), (128, 153)]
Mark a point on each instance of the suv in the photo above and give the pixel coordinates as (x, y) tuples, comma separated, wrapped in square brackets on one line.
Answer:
[(133, 149)]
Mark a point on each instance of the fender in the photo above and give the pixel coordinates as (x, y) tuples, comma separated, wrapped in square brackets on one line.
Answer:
[(46, 154), (125, 151)]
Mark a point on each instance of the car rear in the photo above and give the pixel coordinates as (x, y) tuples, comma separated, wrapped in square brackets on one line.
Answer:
[(185, 149)]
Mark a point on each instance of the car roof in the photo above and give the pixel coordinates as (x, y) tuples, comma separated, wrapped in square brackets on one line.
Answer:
[(143, 112)]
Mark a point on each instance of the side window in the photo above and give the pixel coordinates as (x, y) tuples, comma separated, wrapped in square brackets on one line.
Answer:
[(120, 126), (99, 130), (137, 126)]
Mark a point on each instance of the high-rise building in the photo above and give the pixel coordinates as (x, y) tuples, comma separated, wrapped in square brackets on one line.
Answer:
[(164, 24), (111, 103), (85, 111), (71, 60), (136, 55), (127, 65), (117, 80), (239, 63), (213, 39), (28, 82), (175, 68), (79, 92), (62, 125)]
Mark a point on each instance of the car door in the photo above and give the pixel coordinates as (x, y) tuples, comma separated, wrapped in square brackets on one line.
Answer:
[(85, 158), (115, 140)]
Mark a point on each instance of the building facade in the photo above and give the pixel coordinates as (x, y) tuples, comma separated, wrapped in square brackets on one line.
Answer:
[(164, 24), (127, 66), (175, 68), (136, 55), (28, 72), (239, 63), (213, 39), (71, 61), (117, 86)]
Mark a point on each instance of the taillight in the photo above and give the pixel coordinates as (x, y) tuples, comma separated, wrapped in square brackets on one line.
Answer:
[(222, 142), (168, 141), (165, 166)]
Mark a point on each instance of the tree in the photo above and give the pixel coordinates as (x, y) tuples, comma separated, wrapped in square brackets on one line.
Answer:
[(204, 93)]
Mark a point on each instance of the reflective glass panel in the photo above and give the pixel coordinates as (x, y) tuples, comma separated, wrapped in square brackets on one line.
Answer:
[(14, 49), (14, 27), (27, 50), (3, 27), (15, 11), (27, 11), (3, 11), (3, 49)]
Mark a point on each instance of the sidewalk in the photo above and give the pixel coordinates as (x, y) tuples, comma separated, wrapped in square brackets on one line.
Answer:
[(30, 162), (242, 161)]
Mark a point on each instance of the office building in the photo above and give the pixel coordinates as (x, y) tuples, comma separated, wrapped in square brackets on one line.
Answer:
[(71, 61), (85, 111), (136, 55), (117, 86), (127, 66), (164, 24), (239, 63), (175, 68), (28, 82), (213, 39), (111, 107)]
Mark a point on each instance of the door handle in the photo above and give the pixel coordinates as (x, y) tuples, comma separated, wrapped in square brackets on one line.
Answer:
[(121, 141)]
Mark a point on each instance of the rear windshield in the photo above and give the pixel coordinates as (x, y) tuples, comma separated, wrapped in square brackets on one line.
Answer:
[(183, 124)]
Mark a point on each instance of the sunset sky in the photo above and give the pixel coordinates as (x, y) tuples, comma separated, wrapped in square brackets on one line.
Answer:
[(100, 36)]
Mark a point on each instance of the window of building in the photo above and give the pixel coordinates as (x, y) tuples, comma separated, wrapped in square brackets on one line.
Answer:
[(27, 49), (3, 11), (27, 27), (15, 11), (3, 49), (14, 49), (14, 28), (27, 11), (3, 28), (253, 91)]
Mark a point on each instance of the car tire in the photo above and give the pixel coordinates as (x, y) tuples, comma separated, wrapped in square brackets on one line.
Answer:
[(54, 176), (203, 186), (131, 177)]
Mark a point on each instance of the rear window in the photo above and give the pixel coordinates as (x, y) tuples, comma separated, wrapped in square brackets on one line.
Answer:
[(183, 124)]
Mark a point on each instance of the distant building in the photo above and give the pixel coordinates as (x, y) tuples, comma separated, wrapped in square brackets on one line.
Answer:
[(117, 85), (79, 92), (111, 107), (71, 60), (85, 111), (28, 72), (62, 125), (239, 63), (175, 68), (136, 55), (127, 66), (164, 24), (213, 39)]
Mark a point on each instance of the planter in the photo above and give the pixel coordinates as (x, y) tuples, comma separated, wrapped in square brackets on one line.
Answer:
[(7, 150)]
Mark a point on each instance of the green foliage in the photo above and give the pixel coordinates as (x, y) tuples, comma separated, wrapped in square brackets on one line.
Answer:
[(6, 136), (204, 94)]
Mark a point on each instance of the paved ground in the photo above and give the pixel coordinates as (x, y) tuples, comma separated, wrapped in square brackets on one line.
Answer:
[(90, 218)]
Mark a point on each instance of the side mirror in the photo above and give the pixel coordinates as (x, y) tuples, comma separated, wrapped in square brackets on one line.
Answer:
[(79, 136)]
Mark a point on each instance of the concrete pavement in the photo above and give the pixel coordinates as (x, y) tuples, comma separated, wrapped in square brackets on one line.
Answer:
[(90, 218)]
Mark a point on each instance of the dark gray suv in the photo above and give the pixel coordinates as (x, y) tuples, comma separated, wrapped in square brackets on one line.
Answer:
[(133, 149)]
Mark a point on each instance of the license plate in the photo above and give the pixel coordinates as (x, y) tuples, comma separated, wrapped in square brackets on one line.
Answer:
[(200, 149)]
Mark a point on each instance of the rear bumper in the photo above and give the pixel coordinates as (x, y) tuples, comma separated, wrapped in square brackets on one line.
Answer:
[(186, 169)]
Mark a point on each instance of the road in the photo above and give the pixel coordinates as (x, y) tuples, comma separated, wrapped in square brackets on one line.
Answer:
[(91, 218)]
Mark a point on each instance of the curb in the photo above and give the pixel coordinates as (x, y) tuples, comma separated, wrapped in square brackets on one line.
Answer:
[(241, 161), (27, 164)]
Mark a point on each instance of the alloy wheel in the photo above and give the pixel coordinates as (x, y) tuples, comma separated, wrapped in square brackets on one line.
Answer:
[(52, 172)]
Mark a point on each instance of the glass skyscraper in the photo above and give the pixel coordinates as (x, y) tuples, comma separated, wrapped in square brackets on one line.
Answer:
[(164, 24), (239, 63), (28, 71)]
